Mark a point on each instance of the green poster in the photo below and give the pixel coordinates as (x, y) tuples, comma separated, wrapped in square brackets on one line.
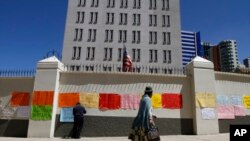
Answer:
[(41, 112)]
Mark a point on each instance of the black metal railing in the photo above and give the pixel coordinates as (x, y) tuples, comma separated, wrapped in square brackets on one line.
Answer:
[(17, 73)]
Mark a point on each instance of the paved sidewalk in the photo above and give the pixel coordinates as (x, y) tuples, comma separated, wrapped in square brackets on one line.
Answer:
[(219, 137)]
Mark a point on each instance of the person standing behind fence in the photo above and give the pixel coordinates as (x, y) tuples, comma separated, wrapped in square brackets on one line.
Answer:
[(144, 119), (78, 112)]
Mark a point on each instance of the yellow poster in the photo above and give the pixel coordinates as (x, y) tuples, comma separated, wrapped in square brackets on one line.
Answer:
[(156, 100), (246, 100), (205, 100), (89, 100)]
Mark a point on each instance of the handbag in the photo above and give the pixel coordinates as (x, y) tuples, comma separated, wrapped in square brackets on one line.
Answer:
[(153, 134)]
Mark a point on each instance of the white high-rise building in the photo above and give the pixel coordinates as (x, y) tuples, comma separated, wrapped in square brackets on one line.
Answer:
[(97, 30)]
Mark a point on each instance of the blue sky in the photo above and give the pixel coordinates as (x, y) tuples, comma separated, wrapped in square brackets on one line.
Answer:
[(31, 28)]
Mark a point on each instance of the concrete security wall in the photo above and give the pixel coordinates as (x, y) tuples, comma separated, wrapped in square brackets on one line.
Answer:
[(99, 123), (14, 127), (117, 122), (232, 85)]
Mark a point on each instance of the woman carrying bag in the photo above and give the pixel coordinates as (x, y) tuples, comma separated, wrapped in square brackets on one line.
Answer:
[(143, 127)]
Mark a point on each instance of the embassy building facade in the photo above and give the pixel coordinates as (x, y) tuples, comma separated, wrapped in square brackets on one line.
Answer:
[(97, 30)]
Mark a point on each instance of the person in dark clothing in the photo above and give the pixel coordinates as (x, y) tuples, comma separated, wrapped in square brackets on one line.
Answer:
[(78, 112)]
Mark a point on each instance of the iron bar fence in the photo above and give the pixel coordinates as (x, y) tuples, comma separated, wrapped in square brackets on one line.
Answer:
[(115, 68), (17, 73)]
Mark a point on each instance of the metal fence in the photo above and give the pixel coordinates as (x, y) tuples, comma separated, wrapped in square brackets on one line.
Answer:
[(17, 73), (115, 68)]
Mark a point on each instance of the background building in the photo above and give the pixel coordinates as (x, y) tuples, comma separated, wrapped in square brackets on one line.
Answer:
[(191, 46), (97, 30), (224, 55), (247, 62)]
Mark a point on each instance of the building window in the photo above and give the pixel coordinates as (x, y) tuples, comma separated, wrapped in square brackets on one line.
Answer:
[(90, 53), (167, 57), (152, 20), (119, 54), (136, 37), (165, 20), (93, 18), (81, 3), (110, 3), (78, 34), (137, 19), (123, 19), (165, 4), (108, 54), (122, 36), (124, 4), (152, 4), (80, 17), (109, 35), (76, 53), (95, 3), (110, 18), (153, 57), (152, 37), (92, 35), (168, 38), (136, 56), (137, 4)]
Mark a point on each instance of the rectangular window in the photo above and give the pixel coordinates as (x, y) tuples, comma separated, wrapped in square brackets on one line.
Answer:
[(134, 36), (81, 3), (76, 34), (105, 53), (155, 34), (138, 19), (155, 20), (138, 55), (74, 53), (91, 18), (155, 4), (121, 15), (165, 4), (125, 36), (126, 19), (81, 32), (110, 54), (96, 18), (169, 57), (150, 4), (151, 55), (120, 36), (89, 35), (164, 56), (168, 38), (79, 53), (119, 54), (93, 53), (107, 22), (164, 38), (88, 53), (156, 57), (134, 19), (83, 15), (97, 3), (112, 19), (133, 55), (150, 37), (106, 35), (150, 20), (138, 37), (78, 17), (111, 35), (94, 38)]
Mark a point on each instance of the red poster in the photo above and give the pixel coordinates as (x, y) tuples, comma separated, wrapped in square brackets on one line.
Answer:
[(172, 101), (43, 98), (109, 101), (20, 99)]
